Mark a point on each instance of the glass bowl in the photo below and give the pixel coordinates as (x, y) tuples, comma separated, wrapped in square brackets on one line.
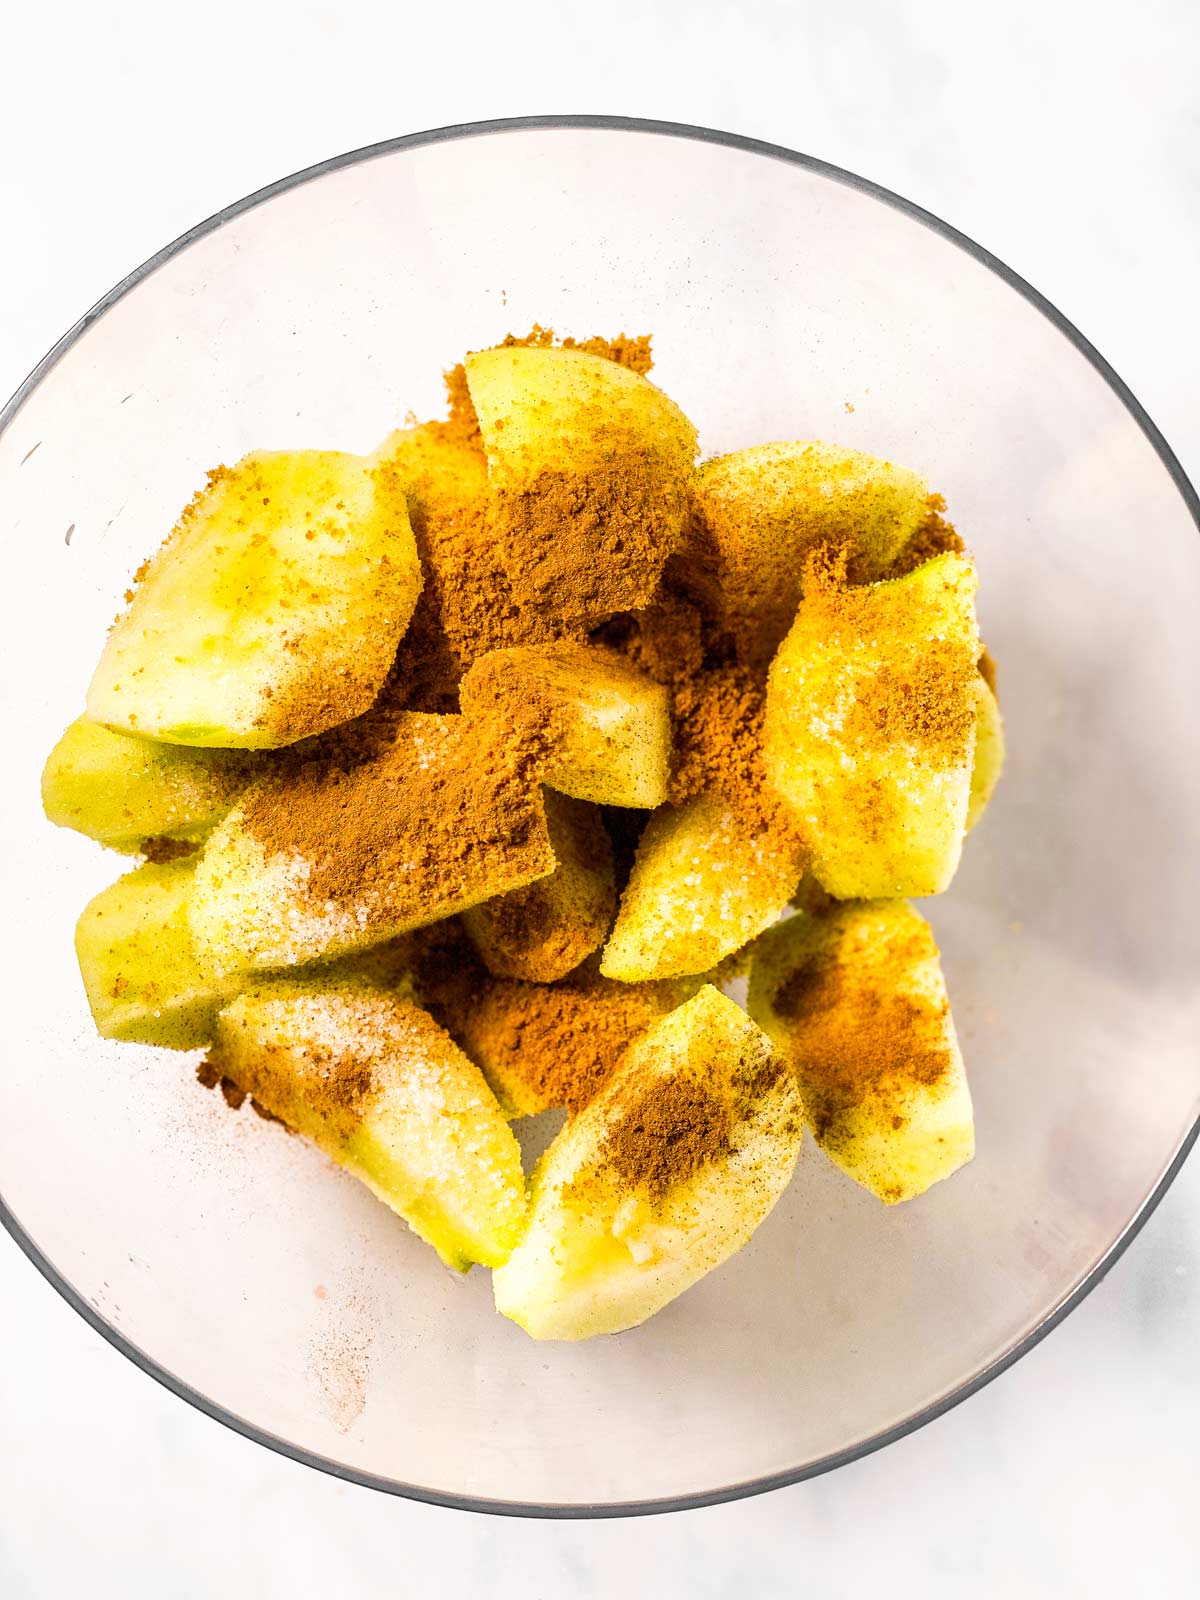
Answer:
[(786, 299)]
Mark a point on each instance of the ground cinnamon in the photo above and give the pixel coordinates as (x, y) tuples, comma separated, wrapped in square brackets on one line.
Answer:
[(211, 1075), (665, 1133), (548, 1045), (446, 814), (467, 606), (662, 1128), (718, 707), (624, 512), (470, 603)]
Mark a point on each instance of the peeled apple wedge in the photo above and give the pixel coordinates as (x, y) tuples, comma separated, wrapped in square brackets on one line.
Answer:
[(703, 883), (272, 611), (140, 972), (855, 999), (371, 1078), (760, 511), (989, 752), (622, 1219), (122, 790), (870, 727), (545, 929), (415, 834), (609, 724), (589, 466)]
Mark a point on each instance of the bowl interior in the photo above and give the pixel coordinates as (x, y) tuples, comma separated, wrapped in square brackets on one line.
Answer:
[(784, 303)]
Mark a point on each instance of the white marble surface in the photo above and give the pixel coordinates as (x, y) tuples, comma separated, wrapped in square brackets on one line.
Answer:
[(1065, 137)]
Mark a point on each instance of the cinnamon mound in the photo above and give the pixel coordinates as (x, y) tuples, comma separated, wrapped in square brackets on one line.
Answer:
[(542, 1046)]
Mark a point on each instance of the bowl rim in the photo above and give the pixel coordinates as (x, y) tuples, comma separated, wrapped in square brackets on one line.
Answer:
[(1027, 1341)]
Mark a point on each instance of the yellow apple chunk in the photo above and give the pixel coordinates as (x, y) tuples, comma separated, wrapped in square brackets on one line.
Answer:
[(989, 752), (760, 511), (589, 466), (427, 463), (663, 1176), (325, 861), (121, 790), (703, 883), (387, 1094), (272, 611), (854, 997), (139, 968), (870, 727), (608, 725)]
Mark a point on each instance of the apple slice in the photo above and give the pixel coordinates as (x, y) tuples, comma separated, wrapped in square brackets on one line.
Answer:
[(273, 610), (140, 972), (760, 511), (544, 930), (988, 763), (704, 881), (854, 997), (608, 725), (870, 726), (659, 1179), (330, 859), (371, 1078), (590, 466), (122, 791)]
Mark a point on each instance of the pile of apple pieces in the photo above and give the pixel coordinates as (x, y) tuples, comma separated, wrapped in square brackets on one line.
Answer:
[(273, 614)]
